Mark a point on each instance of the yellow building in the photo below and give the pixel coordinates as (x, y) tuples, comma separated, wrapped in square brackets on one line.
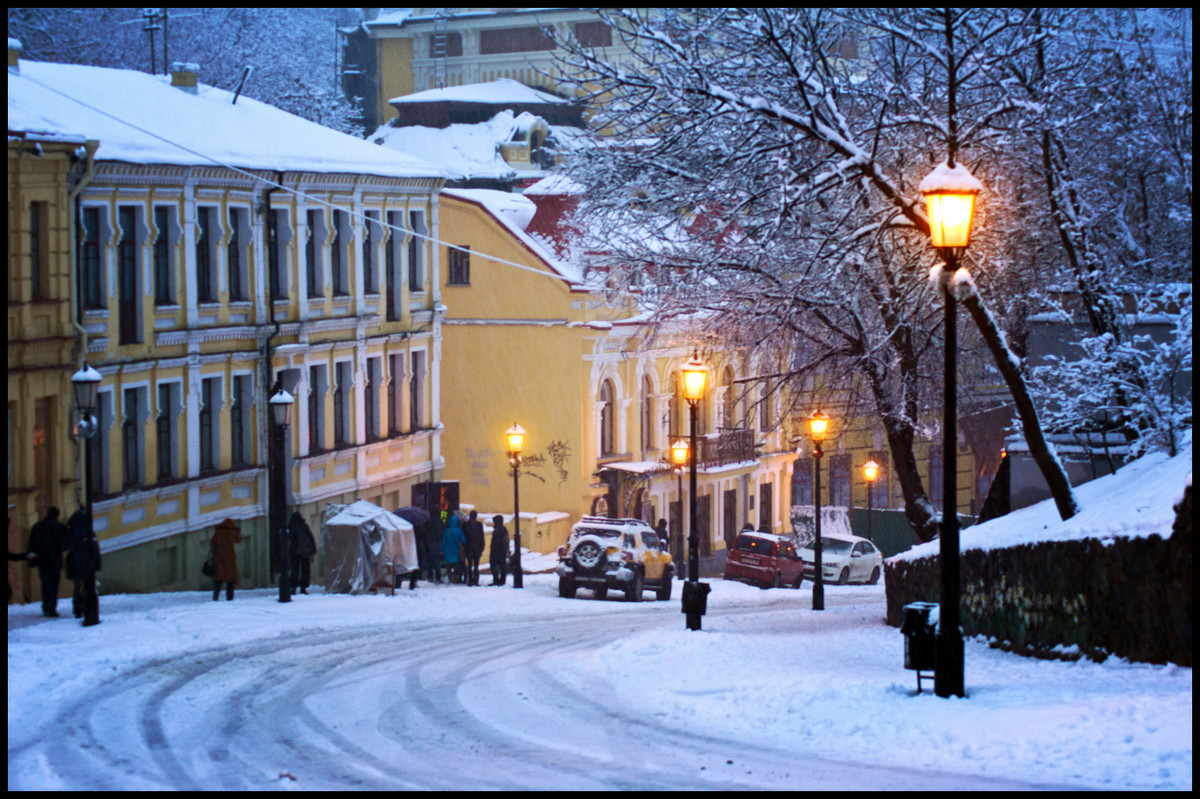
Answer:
[(395, 52), (220, 248), (527, 339), (44, 173)]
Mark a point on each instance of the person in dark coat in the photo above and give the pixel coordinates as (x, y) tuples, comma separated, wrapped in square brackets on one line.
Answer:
[(473, 532), (498, 553), (453, 544), (225, 566), (303, 546), (47, 541), (433, 551), (83, 561)]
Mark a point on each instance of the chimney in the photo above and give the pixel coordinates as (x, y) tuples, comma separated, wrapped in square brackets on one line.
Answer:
[(185, 76), (14, 55)]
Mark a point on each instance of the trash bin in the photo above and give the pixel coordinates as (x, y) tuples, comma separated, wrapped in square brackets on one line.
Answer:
[(920, 632)]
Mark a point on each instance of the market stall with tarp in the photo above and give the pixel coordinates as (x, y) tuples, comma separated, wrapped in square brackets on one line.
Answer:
[(365, 547)]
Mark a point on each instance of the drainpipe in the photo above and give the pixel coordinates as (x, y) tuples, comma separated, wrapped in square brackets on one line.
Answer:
[(76, 302), (272, 278), (89, 147)]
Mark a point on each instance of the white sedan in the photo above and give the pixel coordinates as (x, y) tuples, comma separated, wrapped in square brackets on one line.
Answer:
[(844, 558)]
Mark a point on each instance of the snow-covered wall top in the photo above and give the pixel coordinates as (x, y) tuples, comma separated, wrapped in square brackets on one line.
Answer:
[(1137, 501), (142, 119)]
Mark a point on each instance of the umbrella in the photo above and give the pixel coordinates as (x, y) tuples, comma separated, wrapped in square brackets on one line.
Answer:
[(412, 514)]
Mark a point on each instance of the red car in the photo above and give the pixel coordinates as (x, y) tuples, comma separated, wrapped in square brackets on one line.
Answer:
[(765, 560)]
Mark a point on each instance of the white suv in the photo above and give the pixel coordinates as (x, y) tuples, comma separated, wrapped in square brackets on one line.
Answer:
[(604, 553)]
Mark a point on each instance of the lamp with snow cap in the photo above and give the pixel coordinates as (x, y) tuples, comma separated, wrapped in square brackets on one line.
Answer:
[(950, 193)]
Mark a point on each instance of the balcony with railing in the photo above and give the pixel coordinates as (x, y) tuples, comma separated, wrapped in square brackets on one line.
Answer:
[(727, 445)]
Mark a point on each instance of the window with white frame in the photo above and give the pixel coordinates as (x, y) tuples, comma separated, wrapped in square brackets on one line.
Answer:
[(416, 248), (207, 233), (166, 424), (317, 386), (164, 255), (393, 261), (370, 253), (314, 253), (210, 437), (91, 260), (241, 430), (339, 267), (133, 442), (237, 252), (343, 386), (416, 405), (371, 397), (607, 417)]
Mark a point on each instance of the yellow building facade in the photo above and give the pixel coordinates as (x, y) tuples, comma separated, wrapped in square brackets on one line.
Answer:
[(526, 340), (43, 173), (411, 50), (195, 289)]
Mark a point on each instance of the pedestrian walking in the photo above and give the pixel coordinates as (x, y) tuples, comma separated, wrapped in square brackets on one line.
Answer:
[(453, 544), (225, 566), (473, 532), (83, 561), (498, 553), (303, 547), (47, 542)]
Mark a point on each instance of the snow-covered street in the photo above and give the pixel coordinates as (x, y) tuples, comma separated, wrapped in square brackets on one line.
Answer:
[(455, 687)]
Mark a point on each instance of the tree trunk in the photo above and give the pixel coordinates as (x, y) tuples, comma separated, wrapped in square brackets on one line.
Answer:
[(1047, 461)]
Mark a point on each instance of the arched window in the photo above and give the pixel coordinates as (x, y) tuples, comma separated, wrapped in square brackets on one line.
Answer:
[(606, 418)]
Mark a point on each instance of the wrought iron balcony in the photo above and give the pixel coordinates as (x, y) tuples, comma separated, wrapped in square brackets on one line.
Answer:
[(727, 445)]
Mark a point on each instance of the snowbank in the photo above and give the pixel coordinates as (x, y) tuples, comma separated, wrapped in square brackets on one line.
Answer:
[(1136, 501)]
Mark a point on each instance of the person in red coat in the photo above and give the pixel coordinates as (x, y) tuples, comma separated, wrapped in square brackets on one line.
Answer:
[(225, 567)]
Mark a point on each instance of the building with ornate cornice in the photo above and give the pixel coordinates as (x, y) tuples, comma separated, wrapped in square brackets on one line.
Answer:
[(220, 247)]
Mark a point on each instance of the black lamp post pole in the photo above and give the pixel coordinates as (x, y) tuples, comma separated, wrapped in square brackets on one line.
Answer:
[(518, 581), (692, 611), (278, 514), (948, 671), (818, 591)]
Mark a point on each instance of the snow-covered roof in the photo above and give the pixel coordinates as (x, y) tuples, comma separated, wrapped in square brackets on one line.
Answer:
[(496, 92), (141, 118), (464, 152)]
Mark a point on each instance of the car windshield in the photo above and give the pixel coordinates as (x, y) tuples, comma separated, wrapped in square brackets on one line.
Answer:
[(835, 546), (749, 543), (600, 531)]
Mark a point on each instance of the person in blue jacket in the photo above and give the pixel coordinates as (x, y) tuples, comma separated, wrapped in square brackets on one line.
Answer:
[(453, 542)]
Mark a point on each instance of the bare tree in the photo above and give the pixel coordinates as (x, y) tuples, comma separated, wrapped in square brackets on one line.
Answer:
[(799, 158)]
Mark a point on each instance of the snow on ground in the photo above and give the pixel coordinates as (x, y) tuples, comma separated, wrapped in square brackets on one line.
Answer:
[(829, 683), (766, 670)]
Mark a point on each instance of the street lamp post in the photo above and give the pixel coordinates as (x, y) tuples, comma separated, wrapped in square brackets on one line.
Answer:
[(695, 593), (679, 457), (818, 428), (85, 385), (870, 472), (515, 436), (281, 417), (950, 191)]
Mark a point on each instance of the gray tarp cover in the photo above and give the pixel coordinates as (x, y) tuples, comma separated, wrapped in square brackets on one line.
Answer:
[(362, 542)]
